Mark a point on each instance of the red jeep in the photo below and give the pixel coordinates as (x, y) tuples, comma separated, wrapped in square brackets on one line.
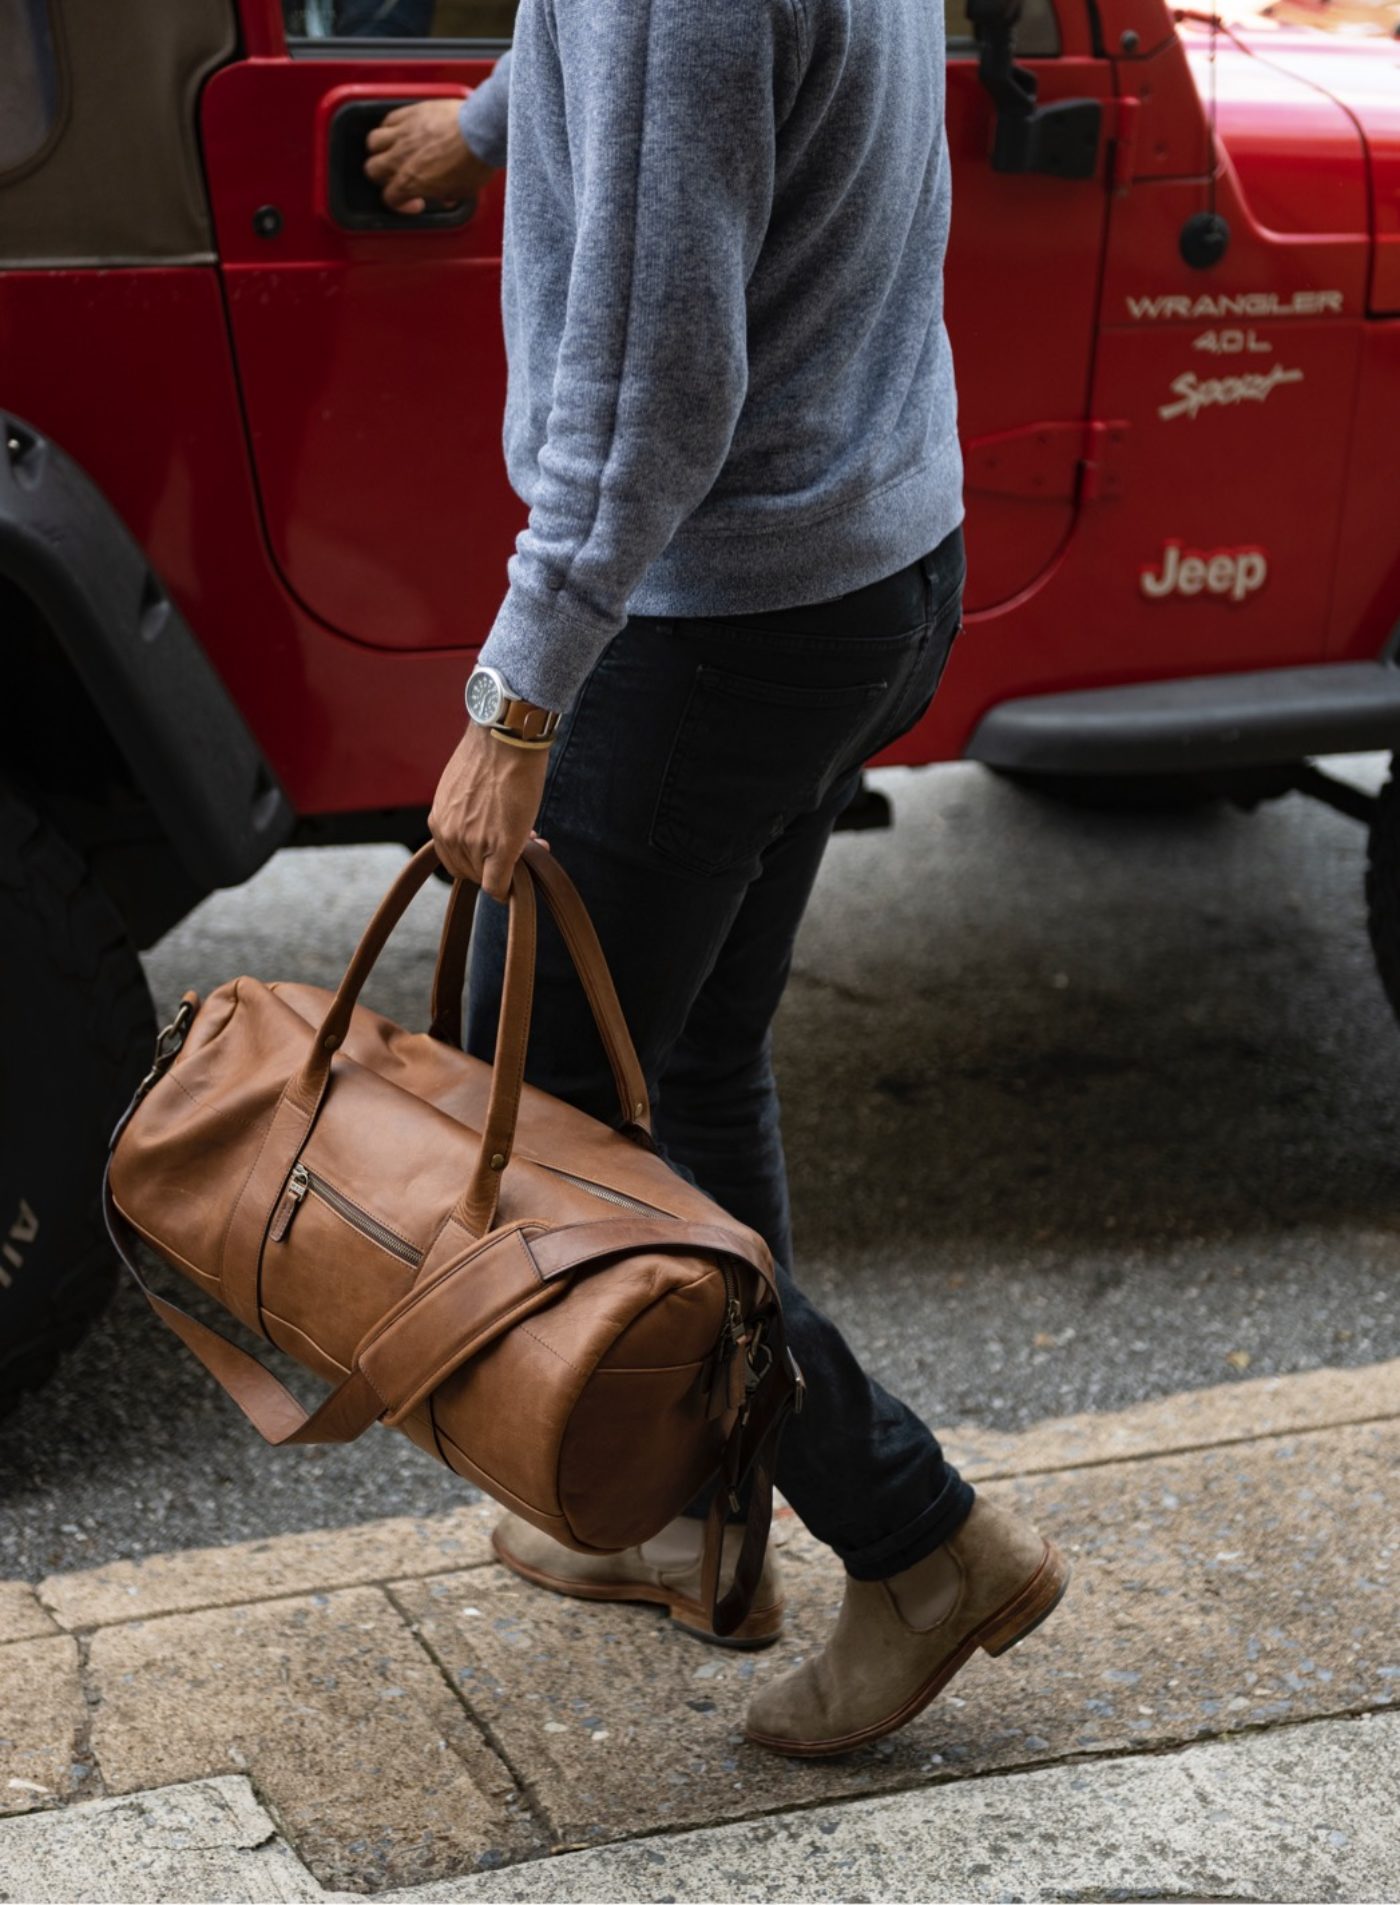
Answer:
[(253, 509)]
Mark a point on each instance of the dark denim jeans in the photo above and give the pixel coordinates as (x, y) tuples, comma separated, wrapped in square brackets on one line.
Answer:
[(691, 794)]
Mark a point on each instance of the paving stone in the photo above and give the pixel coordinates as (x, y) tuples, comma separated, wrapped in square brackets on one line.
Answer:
[(43, 1717), (264, 1570), (1306, 1813), (21, 1616), (1213, 1591), (1199, 1418), (208, 1841), (337, 1715)]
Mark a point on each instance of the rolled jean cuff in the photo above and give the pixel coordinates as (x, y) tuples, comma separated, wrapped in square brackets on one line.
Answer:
[(917, 1539)]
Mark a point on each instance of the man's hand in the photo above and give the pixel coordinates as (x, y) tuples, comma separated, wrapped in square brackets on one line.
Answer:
[(419, 154), (485, 808)]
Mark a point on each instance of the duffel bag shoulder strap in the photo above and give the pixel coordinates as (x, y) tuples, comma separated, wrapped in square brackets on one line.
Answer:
[(750, 1461)]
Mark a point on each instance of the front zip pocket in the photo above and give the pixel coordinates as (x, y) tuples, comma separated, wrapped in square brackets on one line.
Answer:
[(302, 1182)]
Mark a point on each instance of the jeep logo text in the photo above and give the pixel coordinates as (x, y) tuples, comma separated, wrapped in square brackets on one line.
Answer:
[(1232, 573)]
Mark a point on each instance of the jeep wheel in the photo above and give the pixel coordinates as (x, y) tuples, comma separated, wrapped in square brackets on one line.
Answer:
[(76, 1029), (1383, 887)]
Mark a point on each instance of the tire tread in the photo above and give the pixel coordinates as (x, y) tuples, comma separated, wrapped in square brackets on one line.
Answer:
[(85, 943)]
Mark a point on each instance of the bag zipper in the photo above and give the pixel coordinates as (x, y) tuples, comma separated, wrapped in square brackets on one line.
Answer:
[(609, 1196), (734, 1315), (301, 1181), (735, 1335), (735, 1330)]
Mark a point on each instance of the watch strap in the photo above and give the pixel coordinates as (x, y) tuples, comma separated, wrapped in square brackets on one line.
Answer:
[(524, 721)]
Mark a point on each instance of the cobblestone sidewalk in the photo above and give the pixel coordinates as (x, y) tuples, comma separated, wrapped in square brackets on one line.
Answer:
[(381, 1708)]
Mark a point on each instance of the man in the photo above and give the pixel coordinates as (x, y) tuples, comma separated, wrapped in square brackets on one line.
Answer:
[(731, 413)]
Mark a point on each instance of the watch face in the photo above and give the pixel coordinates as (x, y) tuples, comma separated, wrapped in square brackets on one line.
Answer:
[(485, 696)]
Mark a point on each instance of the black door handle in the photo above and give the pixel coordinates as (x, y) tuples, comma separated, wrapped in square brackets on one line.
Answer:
[(356, 202)]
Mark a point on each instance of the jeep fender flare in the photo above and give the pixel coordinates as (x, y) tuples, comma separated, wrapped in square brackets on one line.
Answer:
[(186, 744)]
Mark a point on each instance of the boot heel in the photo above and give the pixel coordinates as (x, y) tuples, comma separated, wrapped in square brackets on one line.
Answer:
[(761, 1629), (1035, 1603)]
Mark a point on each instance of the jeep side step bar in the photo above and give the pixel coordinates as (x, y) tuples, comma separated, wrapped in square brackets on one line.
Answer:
[(1197, 723)]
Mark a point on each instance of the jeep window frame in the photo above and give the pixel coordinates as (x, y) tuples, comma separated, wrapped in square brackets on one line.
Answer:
[(51, 78), (301, 46), (1038, 34), (1043, 40)]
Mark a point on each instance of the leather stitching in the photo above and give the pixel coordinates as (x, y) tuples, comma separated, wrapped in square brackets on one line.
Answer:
[(463, 1352), (420, 1292), (525, 1330)]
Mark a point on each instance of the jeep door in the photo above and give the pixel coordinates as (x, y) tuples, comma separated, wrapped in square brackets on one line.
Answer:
[(368, 345)]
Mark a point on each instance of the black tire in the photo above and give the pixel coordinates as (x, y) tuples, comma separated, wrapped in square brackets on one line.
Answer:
[(1114, 793), (1383, 888), (76, 1031)]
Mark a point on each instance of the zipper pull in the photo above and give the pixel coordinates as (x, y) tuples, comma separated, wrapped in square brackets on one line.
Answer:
[(298, 1184), (726, 1384), (737, 1360)]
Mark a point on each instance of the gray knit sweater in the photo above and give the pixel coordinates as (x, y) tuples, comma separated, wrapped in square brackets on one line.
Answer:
[(730, 386)]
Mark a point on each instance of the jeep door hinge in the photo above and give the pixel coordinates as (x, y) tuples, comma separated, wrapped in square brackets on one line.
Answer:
[(1100, 472)]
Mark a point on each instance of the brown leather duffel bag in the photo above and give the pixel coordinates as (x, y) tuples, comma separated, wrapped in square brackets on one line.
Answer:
[(533, 1297)]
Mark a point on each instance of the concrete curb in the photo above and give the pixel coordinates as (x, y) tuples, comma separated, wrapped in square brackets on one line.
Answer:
[(1304, 1813)]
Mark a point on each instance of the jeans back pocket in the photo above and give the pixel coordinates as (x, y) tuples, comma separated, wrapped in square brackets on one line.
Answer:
[(750, 756)]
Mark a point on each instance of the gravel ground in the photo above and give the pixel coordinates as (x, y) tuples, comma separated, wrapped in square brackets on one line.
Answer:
[(1081, 1109)]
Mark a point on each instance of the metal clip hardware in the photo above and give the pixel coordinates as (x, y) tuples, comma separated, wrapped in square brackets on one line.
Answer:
[(799, 1382), (168, 1042), (758, 1360)]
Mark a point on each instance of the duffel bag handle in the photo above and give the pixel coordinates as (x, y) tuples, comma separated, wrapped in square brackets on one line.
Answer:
[(580, 938), (476, 1209)]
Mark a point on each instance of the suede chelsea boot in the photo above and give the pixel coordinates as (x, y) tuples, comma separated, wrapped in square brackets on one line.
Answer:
[(664, 1571), (898, 1643)]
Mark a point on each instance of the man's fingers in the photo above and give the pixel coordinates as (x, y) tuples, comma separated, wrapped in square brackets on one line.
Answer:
[(457, 862), (394, 118), (399, 193), (495, 879), (380, 139)]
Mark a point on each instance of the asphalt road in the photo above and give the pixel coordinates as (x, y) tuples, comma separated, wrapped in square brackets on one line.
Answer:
[(1081, 1109)]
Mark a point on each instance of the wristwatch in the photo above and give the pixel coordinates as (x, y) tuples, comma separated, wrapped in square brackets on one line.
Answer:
[(495, 706)]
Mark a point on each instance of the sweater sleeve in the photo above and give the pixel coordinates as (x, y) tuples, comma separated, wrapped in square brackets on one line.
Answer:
[(672, 129), (485, 115)]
